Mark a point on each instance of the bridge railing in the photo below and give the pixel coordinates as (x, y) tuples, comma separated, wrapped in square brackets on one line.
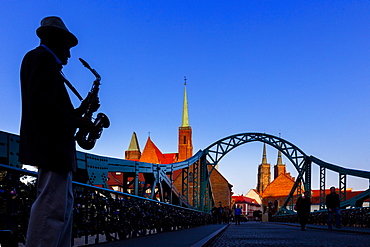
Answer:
[(140, 178), (100, 214), (353, 217)]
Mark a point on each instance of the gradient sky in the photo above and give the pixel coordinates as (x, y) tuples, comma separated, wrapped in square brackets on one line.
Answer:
[(299, 68)]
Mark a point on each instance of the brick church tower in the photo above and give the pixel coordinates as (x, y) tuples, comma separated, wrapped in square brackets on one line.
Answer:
[(264, 173), (133, 151), (152, 154), (185, 132)]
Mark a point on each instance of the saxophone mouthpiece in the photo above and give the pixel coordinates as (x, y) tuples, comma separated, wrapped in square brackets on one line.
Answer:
[(89, 68), (84, 63)]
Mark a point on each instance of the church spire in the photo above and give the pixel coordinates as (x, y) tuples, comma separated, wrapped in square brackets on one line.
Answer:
[(134, 144), (264, 156), (185, 132), (279, 168), (279, 160), (264, 173), (185, 114), (133, 151)]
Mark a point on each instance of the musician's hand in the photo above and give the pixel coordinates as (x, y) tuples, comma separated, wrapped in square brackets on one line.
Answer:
[(84, 123), (79, 111), (95, 104), (85, 103)]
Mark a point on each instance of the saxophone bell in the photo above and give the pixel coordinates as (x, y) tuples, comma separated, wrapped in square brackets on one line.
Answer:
[(86, 139), (102, 120)]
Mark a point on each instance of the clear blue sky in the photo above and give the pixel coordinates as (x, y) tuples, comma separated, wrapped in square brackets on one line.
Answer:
[(299, 68)]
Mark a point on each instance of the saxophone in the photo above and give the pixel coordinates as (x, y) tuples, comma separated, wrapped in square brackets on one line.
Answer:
[(86, 138)]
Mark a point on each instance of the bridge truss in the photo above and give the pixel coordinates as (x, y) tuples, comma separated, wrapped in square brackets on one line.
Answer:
[(158, 178)]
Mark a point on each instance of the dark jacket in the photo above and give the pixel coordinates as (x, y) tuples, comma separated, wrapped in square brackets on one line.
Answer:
[(332, 201), (303, 205), (48, 122)]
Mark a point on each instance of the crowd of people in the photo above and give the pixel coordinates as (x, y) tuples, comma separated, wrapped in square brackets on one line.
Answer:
[(221, 215), (225, 215)]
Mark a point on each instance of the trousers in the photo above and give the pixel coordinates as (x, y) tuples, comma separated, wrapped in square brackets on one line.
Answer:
[(303, 218), (51, 219), (336, 212)]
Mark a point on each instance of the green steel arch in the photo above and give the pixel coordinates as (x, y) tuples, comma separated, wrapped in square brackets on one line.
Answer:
[(302, 162), (159, 176), (216, 151)]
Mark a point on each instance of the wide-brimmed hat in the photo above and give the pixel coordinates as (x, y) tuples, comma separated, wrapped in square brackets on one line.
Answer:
[(51, 24)]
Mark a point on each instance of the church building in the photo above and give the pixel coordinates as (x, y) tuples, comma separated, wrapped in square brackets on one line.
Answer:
[(277, 189), (152, 154)]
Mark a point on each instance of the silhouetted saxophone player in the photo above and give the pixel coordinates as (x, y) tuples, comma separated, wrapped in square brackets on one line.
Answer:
[(47, 132)]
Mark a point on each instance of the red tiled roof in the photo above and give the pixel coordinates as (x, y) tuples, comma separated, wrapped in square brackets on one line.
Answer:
[(152, 154), (244, 199), (315, 195), (169, 158), (280, 186)]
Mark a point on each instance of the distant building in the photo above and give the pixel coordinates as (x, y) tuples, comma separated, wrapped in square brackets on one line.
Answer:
[(254, 195), (247, 204), (221, 188), (276, 191), (264, 173)]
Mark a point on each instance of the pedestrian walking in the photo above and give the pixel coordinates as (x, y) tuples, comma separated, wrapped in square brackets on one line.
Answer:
[(333, 204), (238, 213), (303, 207), (214, 214), (219, 214)]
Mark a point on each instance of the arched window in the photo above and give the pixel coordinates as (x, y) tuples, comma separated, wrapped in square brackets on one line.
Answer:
[(184, 139)]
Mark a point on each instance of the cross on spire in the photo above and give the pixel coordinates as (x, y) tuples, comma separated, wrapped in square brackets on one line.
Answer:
[(185, 114)]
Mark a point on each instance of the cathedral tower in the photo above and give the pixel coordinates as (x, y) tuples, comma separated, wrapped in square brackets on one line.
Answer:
[(279, 168), (185, 132), (264, 173)]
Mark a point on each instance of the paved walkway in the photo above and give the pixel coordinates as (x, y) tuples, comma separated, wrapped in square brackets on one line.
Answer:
[(278, 234), (252, 234)]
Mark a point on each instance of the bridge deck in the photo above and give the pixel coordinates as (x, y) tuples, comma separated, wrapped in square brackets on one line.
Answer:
[(252, 234), (195, 237)]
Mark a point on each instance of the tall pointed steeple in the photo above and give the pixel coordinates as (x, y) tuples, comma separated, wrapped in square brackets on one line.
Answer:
[(279, 159), (185, 132), (133, 151), (134, 144), (279, 168), (264, 173), (264, 156), (185, 112)]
